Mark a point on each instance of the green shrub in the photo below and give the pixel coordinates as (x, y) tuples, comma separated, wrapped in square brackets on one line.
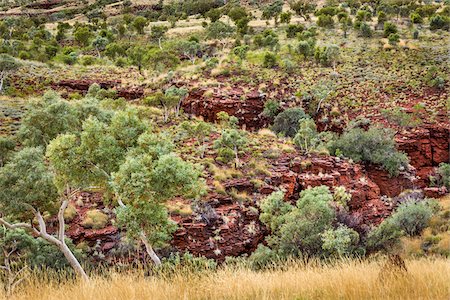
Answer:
[(365, 30), (268, 38), (376, 146), (325, 21), (340, 242), (292, 30), (412, 217), (271, 108), (444, 173), (393, 38), (384, 237), (263, 257), (363, 16), (288, 121), (416, 18), (87, 60), (389, 28), (304, 48), (270, 60), (95, 219), (297, 230), (439, 22)]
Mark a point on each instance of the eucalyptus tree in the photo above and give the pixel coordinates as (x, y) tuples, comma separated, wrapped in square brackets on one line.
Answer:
[(133, 165), (27, 192)]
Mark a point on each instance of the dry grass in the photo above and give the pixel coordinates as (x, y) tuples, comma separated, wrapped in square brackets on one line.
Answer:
[(426, 279)]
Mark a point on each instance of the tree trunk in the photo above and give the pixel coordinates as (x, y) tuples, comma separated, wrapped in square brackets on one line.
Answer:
[(57, 241), (236, 158), (150, 250), (73, 261), (2, 78)]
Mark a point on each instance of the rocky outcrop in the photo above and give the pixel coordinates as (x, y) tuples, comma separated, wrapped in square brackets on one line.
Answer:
[(427, 147), (222, 228), (389, 185), (82, 85), (297, 174), (47, 4), (246, 107)]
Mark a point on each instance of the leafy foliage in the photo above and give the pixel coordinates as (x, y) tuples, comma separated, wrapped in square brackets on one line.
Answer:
[(376, 145), (288, 121)]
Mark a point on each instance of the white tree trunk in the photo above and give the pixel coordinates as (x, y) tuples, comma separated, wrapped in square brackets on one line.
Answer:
[(150, 250), (144, 240), (57, 241)]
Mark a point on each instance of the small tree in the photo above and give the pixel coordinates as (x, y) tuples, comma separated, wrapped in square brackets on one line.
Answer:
[(137, 55), (288, 121), (50, 109), (307, 135), (219, 30), (303, 8), (27, 191), (346, 24), (199, 130), (273, 10), (190, 49), (83, 35), (8, 65), (122, 157), (157, 33), (139, 24), (231, 141), (143, 184), (100, 44), (166, 102), (241, 53), (180, 93)]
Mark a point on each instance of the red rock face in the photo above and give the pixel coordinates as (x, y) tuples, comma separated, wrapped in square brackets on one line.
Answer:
[(391, 186), (129, 93), (333, 172), (231, 230), (247, 109), (426, 147)]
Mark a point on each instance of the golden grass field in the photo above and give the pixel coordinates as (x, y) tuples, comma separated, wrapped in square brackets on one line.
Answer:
[(426, 279)]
